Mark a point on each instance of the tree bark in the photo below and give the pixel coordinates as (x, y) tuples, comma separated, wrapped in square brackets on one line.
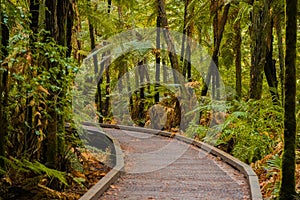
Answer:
[(189, 31), (270, 68), (185, 27), (280, 55), (51, 151), (238, 66), (260, 23), (34, 26), (217, 43), (129, 90), (76, 53), (141, 113), (107, 87), (70, 23), (4, 31), (169, 41), (288, 186), (157, 60)]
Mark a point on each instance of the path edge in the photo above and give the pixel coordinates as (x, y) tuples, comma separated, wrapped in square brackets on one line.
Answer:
[(227, 158), (96, 191)]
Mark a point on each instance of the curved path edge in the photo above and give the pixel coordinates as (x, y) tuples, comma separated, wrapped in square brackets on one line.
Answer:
[(103, 184), (227, 158)]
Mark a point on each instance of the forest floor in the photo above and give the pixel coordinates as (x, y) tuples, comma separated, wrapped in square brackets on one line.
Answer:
[(269, 173), (21, 186)]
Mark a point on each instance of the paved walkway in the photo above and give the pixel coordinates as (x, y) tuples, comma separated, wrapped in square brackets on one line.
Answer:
[(163, 168)]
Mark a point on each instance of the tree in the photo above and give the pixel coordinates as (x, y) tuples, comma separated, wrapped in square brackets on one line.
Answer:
[(287, 189), (186, 38), (107, 71), (170, 45), (270, 68), (238, 64), (57, 18), (4, 38), (51, 151), (278, 19), (260, 26), (218, 28), (157, 58)]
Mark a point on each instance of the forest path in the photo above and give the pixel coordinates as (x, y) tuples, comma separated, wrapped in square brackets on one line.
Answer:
[(157, 167)]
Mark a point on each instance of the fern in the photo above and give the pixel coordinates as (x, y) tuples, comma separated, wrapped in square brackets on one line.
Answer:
[(26, 166)]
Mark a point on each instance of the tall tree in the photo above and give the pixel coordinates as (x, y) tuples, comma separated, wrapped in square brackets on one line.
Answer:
[(4, 38), (65, 22), (287, 189), (107, 71), (278, 19), (167, 35), (188, 30), (34, 26), (219, 27), (260, 26), (238, 64), (270, 68), (157, 58), (51, 153), (172, 53)]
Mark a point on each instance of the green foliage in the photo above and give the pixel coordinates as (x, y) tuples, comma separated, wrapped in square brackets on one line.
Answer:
[(253, 128), (273, 168), (25, 166), (196, 131)]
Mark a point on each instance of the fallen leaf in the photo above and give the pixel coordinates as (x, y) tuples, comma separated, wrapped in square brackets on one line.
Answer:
[(42, 89)]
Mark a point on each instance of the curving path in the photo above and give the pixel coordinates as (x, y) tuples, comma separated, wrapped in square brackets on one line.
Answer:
[(157, 167)]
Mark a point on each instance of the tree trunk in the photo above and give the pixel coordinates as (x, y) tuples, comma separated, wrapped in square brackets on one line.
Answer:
[(169, 41), (157, 60), (107, 91), (280, 55), (189, 31), (213, 71), (129, 90), (34, 26), (185, 27), (76, 53), (64, 13), (164, 64), (70, 23), (51, 154), (270, 68), (4, 31), (107, 87), (91, 30), (260, 19), (141, 113), (288, 186), (238, 66)]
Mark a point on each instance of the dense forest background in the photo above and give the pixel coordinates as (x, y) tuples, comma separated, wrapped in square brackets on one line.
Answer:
[(253, 47)]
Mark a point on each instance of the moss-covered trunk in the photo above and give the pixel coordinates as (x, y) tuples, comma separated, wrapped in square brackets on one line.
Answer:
[(4, 37), (278, 26), (51, 150), (238, 63), (287, 190), (260, 24)]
